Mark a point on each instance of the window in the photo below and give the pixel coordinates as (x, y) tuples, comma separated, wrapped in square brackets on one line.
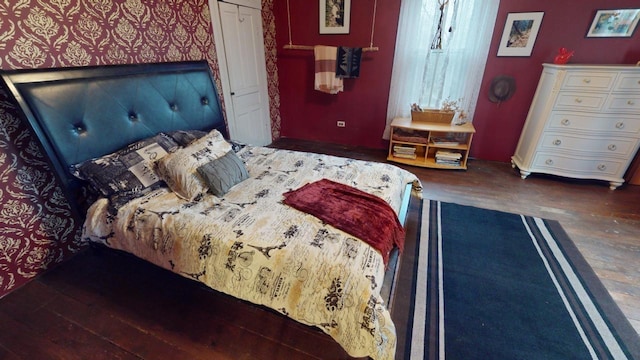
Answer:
[(431, 67)]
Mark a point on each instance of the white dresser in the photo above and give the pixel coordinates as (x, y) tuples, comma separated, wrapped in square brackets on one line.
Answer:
[(584, 123)]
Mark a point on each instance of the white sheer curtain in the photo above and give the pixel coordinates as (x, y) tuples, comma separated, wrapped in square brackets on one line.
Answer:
[(430, 76)]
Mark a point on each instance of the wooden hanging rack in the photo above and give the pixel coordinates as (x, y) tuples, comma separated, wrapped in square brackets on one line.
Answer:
[(290, 46), (307, 47)]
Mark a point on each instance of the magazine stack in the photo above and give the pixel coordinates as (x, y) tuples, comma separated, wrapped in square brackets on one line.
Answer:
[(404, 151), (448, 157)]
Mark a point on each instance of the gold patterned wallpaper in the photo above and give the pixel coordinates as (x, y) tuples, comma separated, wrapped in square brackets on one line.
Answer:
[(36, 227), (60, 33)]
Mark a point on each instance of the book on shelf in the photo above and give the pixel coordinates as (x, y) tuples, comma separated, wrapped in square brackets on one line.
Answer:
[(448, 158), (404, 156), (438, 140), (448, 162), (449, 155), (404, 149)]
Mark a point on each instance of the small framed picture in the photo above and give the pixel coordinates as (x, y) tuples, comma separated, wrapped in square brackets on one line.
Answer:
[(334, 16), (519, 34), (614, 23)]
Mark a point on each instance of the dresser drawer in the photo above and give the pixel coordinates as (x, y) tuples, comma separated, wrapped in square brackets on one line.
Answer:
[(619, 125), (580, 101), (623, 103), (581, 167), (589, 145), (596, 81), (627, 83)]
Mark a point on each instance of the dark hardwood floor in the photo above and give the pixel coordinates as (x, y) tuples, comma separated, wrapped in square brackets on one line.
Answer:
[(106, 304)]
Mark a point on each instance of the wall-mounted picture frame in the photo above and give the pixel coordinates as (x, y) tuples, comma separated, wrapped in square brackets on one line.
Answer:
[(520, 33), (335, 16), (614, 23)]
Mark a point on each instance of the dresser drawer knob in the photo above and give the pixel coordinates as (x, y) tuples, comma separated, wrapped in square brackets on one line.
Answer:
[(566, 122), (549, 162), (586, 81), (620, 125), (557, 142), (578, 100), (631, 102), (602, 167), (612, 147)]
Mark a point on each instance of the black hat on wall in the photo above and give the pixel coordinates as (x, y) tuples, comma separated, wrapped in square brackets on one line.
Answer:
[(502, 88)]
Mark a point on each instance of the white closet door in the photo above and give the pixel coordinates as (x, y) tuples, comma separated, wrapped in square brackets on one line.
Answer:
[(246, 66)]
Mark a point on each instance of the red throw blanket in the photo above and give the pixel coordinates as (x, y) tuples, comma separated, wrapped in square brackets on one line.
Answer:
[(356, 212)]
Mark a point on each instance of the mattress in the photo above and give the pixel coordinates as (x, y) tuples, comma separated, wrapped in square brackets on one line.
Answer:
[(247, 243)]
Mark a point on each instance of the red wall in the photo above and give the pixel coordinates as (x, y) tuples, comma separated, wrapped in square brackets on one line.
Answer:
[(311, 115), (564, 24)]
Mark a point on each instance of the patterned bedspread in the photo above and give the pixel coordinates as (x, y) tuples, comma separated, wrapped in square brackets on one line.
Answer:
[(250, 245)]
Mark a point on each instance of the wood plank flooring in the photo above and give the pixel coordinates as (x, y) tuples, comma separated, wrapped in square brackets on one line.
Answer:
[(104, 304)]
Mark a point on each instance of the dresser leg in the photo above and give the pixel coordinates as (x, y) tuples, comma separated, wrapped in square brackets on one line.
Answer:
[(523, 174), (614, 184)]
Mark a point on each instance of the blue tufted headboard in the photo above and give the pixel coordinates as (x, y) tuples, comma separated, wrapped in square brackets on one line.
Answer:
[(84, 112)]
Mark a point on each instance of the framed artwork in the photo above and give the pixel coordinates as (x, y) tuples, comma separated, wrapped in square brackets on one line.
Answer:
[(519, 34), (334, 16), (614, 23)]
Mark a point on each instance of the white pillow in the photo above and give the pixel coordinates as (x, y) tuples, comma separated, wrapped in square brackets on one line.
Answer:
[(180, 169)]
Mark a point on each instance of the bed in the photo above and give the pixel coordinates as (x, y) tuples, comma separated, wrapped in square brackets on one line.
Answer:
[(143, 155)]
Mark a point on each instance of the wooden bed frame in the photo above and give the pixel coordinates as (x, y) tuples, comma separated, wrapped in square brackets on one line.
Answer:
[(85, 112)]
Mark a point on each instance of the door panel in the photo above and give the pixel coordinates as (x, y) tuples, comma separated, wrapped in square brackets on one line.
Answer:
[(244, 52)]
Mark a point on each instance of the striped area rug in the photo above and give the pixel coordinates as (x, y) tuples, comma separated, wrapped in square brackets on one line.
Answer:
[(495, 285)]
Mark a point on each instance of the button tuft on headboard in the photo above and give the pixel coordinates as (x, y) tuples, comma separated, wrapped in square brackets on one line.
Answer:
[(133, 116), (174, 107), (79, 128), (204, 101)]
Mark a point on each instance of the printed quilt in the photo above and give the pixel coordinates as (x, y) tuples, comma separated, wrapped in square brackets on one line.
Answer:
[(252, 246)]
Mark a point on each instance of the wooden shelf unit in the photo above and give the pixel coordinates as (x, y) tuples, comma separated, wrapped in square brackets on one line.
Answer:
[(421, 135)]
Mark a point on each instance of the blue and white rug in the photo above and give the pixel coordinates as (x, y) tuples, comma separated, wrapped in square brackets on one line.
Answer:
[(495, 285)]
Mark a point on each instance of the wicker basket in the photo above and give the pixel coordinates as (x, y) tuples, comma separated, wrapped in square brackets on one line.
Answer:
[(433, 116)]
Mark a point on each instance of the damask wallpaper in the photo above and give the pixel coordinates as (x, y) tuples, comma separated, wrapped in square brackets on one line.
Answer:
[(36, 227)]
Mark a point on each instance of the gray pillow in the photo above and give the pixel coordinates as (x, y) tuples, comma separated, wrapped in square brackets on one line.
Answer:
[(223, 173)]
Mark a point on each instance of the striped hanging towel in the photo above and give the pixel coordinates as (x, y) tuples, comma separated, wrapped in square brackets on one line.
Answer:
[(325, 70)]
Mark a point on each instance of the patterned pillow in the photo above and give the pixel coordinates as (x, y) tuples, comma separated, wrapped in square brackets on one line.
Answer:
[(180, 169), (223, 173), (129, 169), (186, 137), (237, 145)]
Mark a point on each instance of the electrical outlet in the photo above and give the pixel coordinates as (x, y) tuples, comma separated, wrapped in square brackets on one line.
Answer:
[(341, 123)]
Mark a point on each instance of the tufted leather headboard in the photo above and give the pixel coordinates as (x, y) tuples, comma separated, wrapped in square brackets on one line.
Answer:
[(85, 112)]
